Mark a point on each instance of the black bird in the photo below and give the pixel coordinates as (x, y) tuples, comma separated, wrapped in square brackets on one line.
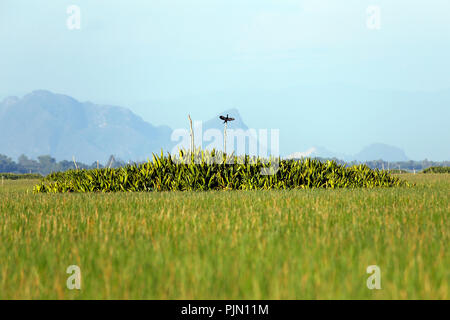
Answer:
[(226, 119)]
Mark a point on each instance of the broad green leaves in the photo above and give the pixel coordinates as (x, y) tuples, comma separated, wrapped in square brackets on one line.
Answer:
[(244, 173)]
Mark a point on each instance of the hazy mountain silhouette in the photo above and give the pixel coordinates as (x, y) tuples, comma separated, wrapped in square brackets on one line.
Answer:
[(379, 151), (46, 123), (43, 122)]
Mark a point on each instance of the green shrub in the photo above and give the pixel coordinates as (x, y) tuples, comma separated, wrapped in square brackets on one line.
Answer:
[(245, 173), (437, 170)]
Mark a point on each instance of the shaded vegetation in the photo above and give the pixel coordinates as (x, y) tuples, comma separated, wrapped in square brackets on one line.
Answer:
[(46, 164), (18, 176), (437, 170)]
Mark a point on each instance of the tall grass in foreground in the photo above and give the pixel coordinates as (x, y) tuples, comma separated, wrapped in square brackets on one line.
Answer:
[(279, 244)]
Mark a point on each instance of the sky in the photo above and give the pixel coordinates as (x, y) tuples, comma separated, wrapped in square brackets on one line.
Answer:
[(164, 59)]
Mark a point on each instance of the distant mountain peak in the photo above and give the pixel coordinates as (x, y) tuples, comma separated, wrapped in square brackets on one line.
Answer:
[(381, 151), (231, 112), (41, 94)]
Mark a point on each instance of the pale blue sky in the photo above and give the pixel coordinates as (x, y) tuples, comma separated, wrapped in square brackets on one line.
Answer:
[(164, 59)]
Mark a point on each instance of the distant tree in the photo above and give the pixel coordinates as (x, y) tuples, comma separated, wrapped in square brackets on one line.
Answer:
[(8, 165), (28, 165)]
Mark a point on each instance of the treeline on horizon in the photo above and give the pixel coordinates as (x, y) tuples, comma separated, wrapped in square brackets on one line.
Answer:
[(46, 164)]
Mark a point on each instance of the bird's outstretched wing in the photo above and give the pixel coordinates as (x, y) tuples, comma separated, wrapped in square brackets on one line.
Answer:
[(230, 119), (222, 118)]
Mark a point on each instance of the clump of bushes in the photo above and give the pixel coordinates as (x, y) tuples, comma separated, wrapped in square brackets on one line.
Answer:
[(166, 173), (437, 170)]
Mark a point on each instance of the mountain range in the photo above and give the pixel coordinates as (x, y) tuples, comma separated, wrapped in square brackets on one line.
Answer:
[(43, 122), (46, 123)]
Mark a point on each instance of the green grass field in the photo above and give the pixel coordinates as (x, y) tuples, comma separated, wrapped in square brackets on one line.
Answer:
[(302, 244)]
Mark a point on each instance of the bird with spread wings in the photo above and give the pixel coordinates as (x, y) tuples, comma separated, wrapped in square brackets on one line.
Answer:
[(226, 119)]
